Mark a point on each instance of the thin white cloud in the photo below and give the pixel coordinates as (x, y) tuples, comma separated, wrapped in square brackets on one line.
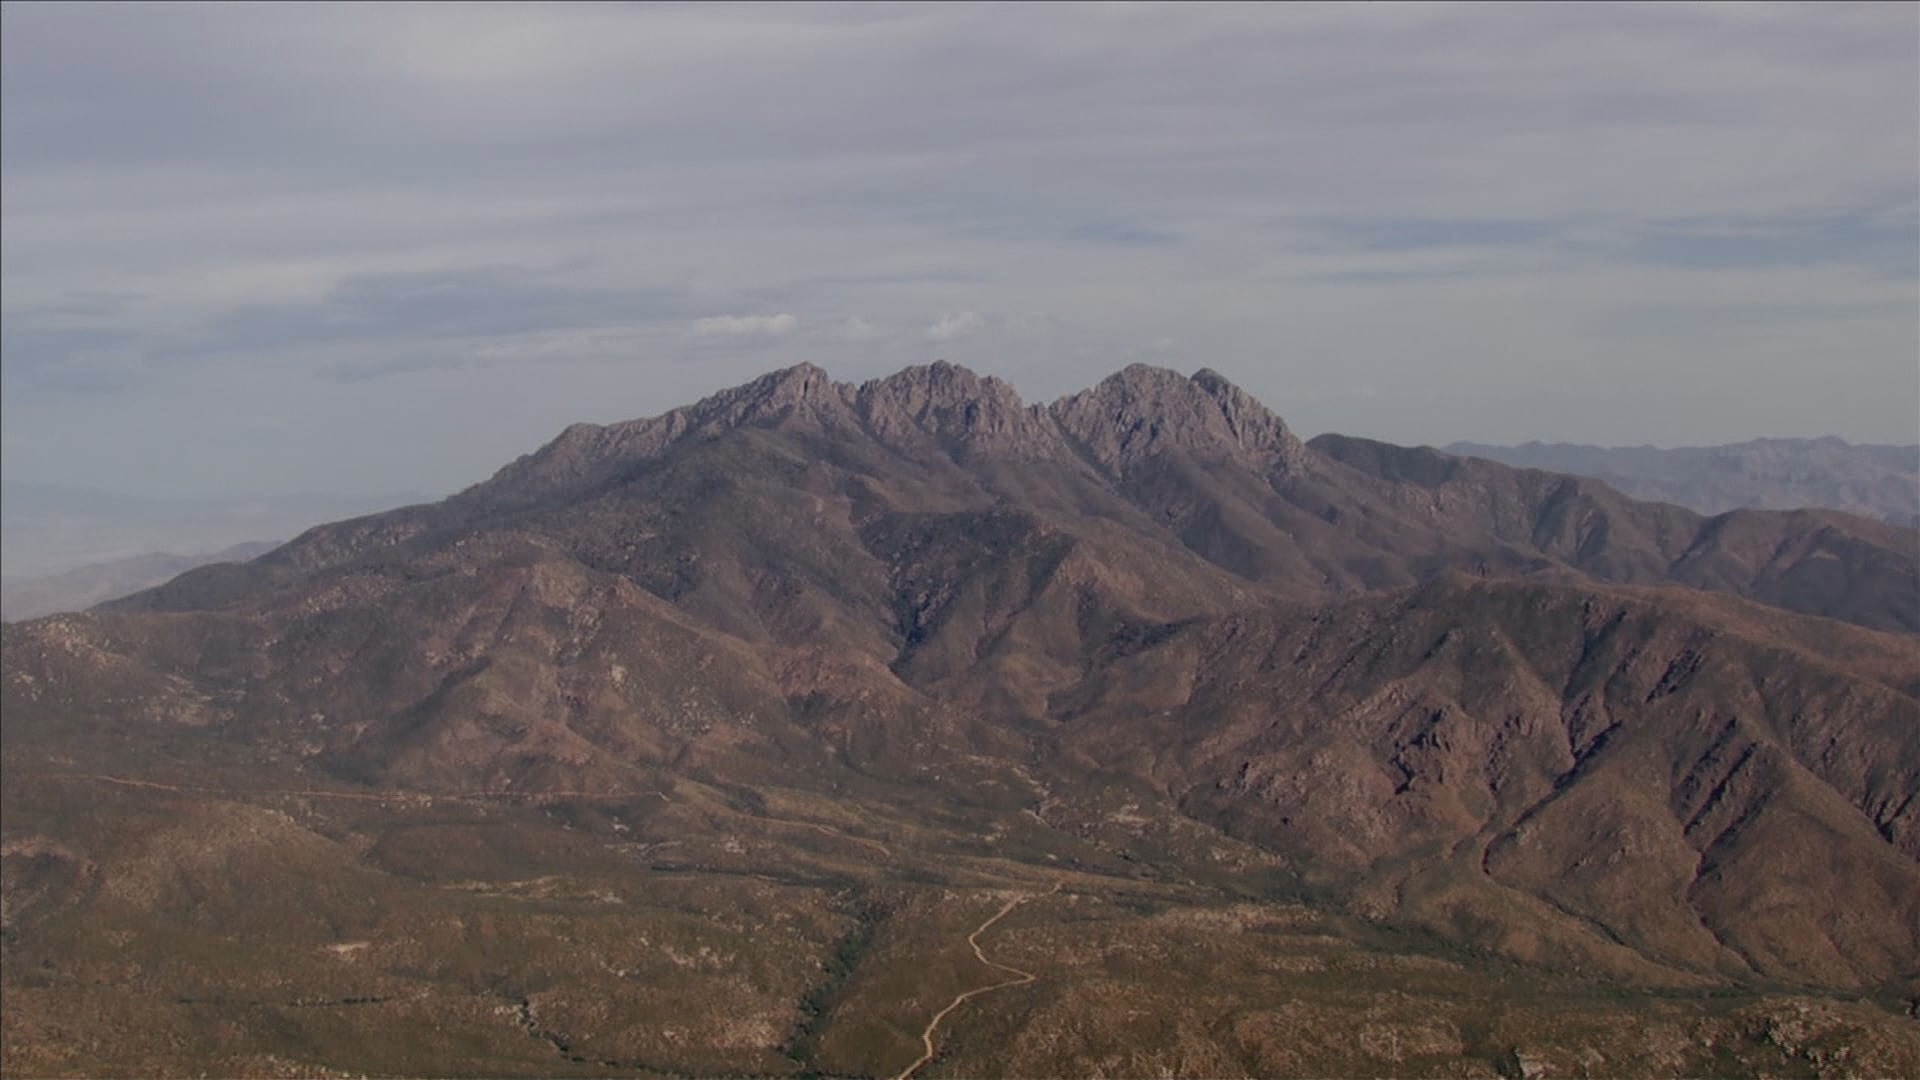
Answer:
[(859, 329), (745, 326), (955, 325)]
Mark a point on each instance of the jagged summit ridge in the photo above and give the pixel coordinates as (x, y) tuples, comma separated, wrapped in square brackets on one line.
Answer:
[(1193, 463), (946, 404), (584, 451), (1131, 416)]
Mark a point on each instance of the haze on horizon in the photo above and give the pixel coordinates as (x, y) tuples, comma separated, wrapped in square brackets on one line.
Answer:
[(358, 249)]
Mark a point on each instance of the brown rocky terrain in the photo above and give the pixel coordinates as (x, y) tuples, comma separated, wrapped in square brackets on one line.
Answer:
[(703, 744)]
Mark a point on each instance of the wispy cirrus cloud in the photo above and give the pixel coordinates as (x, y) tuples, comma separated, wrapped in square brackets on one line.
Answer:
[(749, 326), (954, 325)]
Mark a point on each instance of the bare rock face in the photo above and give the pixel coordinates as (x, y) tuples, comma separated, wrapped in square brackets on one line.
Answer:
[(585, 452), (945, 405), (802, 393), (1143, 412)]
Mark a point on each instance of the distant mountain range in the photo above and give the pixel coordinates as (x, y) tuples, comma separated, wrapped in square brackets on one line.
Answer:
[(83, 587), (48, 529), (1776, 474), (831, 729)]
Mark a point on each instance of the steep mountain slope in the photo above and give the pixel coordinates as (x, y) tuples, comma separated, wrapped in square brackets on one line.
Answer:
[(804, 673), (1651, 775)]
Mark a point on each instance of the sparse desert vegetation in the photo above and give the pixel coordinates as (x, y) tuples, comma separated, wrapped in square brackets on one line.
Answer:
[(815, 727)]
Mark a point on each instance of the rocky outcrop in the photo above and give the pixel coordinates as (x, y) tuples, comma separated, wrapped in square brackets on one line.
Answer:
[(1143, 412), (946, 406)]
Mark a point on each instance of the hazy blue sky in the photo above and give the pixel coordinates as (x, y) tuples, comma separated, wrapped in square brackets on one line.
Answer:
[(373, 248)]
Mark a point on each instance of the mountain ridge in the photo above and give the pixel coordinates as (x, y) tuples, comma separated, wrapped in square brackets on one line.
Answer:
[(1872, 480), (1213, 461), (841, 657)]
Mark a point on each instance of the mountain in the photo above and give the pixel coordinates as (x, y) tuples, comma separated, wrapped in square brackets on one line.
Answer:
[(1820, 562), (1192, 466), (1777, 474), (85, 586), (823, 729)]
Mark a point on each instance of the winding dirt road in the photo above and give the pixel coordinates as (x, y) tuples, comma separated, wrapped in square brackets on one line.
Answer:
[(1021, 978)]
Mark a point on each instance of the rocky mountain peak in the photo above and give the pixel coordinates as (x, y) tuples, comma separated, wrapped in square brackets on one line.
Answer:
[(786, 386), (940, 384), (800, 388), (947, 403), (1130, 417), (1143, 411), (584, 451)]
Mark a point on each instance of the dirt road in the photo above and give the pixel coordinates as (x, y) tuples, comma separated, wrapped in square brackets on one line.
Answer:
[(1021, 978)]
